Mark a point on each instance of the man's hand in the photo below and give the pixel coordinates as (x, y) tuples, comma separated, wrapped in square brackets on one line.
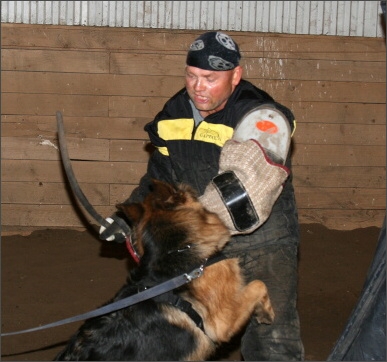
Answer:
[(117, 230)]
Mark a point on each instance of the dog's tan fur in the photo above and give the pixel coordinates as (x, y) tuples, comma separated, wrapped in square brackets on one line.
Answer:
[(225, 303), (220, 295), (174, 234)]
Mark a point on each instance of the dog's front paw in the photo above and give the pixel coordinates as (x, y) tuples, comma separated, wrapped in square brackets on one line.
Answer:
[(264, 311)]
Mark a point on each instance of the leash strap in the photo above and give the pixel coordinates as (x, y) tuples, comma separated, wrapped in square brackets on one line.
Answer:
[(126, 302), (70, 174)]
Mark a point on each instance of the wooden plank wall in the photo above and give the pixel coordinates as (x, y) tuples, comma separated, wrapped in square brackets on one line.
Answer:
[(109, 82)]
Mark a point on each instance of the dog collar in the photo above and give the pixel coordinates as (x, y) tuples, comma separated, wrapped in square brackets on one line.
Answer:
[(131, 249)]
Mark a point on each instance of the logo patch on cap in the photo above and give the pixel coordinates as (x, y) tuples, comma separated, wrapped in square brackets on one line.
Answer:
[(197, 45), (220, 64), (226, 41)]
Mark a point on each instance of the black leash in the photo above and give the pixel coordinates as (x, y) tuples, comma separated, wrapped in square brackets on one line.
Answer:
[(155, 291), (119, 237), (70, 174), (126, 302), (133, 299)]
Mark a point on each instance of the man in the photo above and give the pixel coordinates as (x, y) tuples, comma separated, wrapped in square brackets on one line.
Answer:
[(202, 138)]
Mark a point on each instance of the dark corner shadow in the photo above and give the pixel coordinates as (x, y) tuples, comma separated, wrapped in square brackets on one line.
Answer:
[(383, 17), (383, 22)]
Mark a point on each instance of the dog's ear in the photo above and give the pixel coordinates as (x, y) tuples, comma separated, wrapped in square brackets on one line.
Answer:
[(134, 211), (166, 196), (162, 189)]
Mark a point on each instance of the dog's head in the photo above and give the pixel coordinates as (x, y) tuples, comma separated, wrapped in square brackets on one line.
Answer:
[(171, 228)]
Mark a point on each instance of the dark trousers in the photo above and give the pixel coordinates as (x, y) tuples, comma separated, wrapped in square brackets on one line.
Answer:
[(271, 255)]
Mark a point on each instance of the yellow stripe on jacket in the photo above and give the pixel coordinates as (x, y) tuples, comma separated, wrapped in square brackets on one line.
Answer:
[(183, 129)]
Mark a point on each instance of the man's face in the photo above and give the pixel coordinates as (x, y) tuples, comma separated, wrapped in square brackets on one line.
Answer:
[(209, 90)]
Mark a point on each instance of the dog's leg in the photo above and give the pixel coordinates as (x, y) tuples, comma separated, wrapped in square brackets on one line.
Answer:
[(264, 310), (253, 298), (226, 303)]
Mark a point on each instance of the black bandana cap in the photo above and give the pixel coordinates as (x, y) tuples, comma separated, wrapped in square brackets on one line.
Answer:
[(214, 51)]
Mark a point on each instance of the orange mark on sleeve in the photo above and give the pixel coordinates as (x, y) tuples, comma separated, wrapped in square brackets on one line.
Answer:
[(267, 126)]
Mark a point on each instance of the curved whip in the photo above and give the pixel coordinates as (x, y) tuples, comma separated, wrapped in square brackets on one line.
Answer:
[(70, 174)]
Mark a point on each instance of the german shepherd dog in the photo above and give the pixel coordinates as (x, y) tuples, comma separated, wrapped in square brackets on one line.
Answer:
[(173, 234)]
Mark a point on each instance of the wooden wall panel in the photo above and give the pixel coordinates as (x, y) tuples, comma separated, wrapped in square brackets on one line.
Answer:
[(51, 193), (46, 148), (322, 113), (326, 177), (48, 104), (26, 217), (44, 60), (85, 171), (110, 82), (340, 155), (90, 84), (87, 127)]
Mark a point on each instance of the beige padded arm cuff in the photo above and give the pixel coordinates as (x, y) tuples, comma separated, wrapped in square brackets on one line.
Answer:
[(261, 178)]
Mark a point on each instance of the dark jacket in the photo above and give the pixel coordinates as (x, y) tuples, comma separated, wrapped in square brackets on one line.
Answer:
[(188, 153)]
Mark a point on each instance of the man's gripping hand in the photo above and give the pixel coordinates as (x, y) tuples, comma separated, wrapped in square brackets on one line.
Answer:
[(117, 230)]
